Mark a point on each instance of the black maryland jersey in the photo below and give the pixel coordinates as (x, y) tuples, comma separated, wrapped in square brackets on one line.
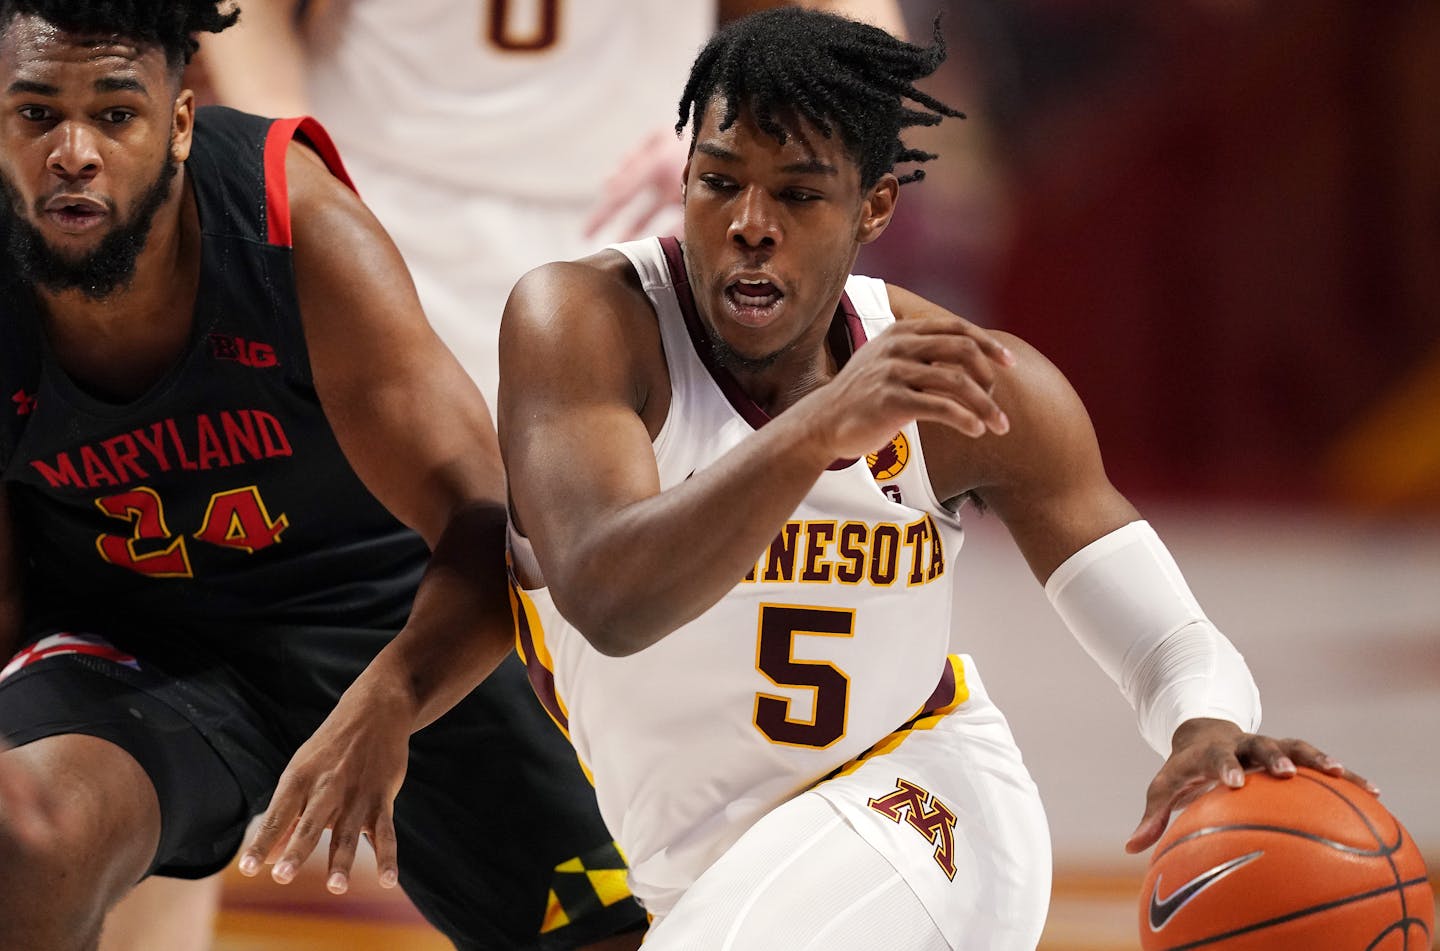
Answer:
[(219, 500)]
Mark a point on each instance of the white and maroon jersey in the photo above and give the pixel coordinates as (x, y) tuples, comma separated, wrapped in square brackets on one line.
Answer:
[(535, 98), (835, 639)]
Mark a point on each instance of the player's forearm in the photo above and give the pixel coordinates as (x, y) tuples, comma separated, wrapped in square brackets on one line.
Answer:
[(460, 626), (654, 565)]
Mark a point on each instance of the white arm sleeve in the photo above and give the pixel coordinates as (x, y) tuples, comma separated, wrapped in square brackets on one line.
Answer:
[(1123, 598)]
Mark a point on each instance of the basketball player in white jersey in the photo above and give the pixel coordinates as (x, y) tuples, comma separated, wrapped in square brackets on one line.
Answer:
[(735, 479), (489, 136)]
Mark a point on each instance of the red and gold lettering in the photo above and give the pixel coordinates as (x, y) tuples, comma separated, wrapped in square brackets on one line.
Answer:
[(780, 624), (63, 473), (142, 509), (936, 823), (238, 519), (96, 472), (211, 454), (240, 434), (123, 455)]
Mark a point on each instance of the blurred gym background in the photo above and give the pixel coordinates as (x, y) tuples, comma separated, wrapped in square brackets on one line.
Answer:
[(1221, 219)]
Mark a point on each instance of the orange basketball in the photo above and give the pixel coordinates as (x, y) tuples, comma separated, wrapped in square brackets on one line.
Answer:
[(1310, 863)]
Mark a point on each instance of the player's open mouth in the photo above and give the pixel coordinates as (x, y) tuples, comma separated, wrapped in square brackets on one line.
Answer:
[(75, 214), (753, 301)]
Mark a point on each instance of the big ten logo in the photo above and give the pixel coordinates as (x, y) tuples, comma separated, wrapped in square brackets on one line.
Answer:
[(248, 353)]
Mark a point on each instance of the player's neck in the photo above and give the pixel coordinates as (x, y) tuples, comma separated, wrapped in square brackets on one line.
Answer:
[(798, 369)]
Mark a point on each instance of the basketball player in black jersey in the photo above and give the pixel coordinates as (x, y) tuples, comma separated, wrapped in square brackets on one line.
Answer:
[(252, 514)]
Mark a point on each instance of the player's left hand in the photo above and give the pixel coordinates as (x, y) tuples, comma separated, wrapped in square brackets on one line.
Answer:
[(650, 178), (345, 779), (1204, 752)]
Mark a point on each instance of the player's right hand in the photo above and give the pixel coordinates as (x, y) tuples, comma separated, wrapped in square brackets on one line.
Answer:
[(345, 779), (935, 367)]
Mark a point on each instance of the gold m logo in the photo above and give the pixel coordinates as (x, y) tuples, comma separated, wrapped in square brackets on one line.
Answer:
[(927, 815)]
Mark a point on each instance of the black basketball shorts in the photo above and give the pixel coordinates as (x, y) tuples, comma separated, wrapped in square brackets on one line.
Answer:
[(500, 842)]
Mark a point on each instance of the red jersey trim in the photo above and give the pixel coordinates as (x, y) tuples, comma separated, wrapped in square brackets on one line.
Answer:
[(847, 334), (277, 191)]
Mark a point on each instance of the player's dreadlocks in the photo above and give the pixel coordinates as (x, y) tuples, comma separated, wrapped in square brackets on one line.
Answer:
[(168, 24), (834, 72)]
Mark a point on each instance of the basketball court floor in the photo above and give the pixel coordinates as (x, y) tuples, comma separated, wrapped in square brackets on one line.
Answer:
[(1339, 618)]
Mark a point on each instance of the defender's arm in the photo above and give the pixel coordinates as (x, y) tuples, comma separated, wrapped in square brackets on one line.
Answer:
[(417, 432)]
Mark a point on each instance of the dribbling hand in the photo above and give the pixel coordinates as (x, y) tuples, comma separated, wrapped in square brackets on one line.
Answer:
[(1209, 751)]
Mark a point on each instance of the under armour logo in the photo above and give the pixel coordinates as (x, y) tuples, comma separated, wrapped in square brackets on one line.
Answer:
[(24, 402)]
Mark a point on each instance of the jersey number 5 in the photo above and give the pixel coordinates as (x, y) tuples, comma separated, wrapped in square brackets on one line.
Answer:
[(523, 26), (774, 657)]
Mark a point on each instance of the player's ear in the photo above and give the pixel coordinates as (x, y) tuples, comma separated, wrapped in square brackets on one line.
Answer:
[(684, 180), (877, 208), (182, 125)]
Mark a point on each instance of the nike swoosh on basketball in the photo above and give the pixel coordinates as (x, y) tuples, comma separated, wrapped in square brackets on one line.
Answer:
[(1162, 910)]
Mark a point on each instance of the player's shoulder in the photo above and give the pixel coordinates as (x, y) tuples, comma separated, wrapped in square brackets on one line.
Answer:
[(583, 326), (599, 291)]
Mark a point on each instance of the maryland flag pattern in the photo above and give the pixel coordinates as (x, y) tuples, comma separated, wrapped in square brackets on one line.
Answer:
[(585, 884)]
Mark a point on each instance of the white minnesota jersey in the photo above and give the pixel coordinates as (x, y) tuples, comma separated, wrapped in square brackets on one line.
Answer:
[(538, 98), (836, 638)]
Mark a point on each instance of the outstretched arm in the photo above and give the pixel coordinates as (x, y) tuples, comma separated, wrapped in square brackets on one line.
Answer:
[(1120, 593), (418, 434)]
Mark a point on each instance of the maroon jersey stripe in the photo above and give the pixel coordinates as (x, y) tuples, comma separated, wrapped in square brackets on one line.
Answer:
[(542, 679), (944, 694)]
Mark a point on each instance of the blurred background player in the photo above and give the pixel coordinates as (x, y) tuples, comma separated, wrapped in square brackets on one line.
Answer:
[(489, 136)]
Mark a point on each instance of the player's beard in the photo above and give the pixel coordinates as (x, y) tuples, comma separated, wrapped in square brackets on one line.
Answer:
[(97, 274), (731, 359)]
